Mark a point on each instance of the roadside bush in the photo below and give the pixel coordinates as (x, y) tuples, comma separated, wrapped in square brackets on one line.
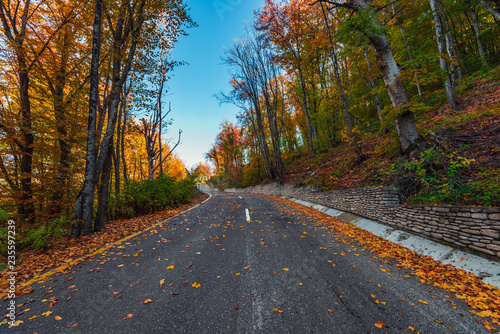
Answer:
[(440, 177), (149, 196)]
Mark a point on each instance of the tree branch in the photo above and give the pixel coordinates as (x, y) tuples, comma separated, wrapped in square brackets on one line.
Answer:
[(169, 153)]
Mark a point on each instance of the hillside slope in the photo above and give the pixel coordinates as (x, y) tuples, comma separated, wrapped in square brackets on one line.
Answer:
[(460, 165)]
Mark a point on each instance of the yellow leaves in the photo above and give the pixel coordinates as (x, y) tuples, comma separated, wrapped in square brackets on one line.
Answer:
[(423, 302), (285, 269), (196, 285), (162, 282), (411, 328), (47, 313), (484, 314), (380, 324), (237, 274), (171, 267), (121, 265), (16, 323)]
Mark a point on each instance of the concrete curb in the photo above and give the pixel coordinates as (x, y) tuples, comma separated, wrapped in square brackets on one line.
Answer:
[(487, 270)]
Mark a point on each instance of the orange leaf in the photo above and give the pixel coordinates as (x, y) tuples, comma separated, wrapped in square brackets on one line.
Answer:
[(235, 306), (58, 318), (130, 315), (380, 324)]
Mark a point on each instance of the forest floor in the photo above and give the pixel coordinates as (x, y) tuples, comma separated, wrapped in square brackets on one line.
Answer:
[(68, 252), (461, 159)]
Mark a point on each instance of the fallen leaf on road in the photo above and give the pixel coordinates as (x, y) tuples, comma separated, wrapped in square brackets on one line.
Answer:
[(47, 313), (276, 310), (58, 318), (147, 301), (16, 323), (235, 306), (285, 269), (423, 302), (162, 282), (128, 316), (380, 324), (329, 310), (196, 285), (74, 325), (171, 267)]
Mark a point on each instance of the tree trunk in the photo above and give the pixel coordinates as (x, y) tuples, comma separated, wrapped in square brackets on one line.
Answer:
[(451, 45), (405, 122), (410, 57), (348, 117), (103, 191), (57, 89), (85, 202), (28, 205), (447, 76), (373, 85), (306, 111), (477, 32), (116, 153), (122, 146)]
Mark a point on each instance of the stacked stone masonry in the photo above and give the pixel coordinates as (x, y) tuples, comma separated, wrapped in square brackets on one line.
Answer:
[(477, 228)]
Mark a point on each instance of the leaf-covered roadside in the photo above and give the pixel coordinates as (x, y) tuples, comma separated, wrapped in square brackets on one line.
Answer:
[(483, 298), (70, 252)]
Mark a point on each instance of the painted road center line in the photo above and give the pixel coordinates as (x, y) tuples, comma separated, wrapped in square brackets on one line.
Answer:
[(248, 215)]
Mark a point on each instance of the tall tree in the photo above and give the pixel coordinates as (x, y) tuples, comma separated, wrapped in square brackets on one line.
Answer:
[(374, 32), (17, 21), (83, 212), (447, 68)]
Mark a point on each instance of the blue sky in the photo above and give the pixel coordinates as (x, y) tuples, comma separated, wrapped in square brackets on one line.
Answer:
[(194, 108)]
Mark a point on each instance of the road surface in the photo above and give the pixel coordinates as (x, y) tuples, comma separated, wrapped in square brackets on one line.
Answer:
[(240, 264)]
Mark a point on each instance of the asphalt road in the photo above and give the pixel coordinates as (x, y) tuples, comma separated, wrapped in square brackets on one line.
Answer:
[(276, 273)]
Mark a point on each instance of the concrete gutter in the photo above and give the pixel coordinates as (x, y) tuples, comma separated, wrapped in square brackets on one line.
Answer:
[(487, 270)]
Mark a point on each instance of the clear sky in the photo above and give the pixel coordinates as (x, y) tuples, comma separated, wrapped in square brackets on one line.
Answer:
[(194, 108)]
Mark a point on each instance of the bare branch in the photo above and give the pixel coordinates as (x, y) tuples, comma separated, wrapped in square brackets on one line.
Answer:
[(171, 151)]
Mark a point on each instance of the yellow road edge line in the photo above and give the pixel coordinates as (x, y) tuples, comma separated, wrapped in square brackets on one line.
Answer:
[(84, 257)]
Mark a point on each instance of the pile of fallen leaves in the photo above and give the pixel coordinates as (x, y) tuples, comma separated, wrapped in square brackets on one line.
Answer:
[(483, 298), (34, 263)]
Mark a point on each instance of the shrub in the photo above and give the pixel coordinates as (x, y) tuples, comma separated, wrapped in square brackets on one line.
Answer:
[(149, 196)]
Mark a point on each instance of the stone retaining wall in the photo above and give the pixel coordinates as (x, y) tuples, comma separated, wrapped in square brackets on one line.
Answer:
[(477, 228)]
